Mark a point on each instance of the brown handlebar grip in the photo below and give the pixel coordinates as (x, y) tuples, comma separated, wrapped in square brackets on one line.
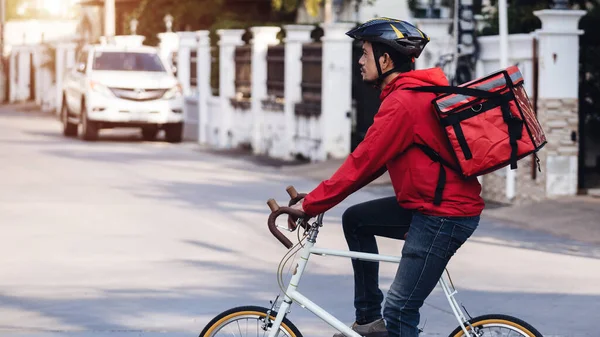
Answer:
[(273, 205), (273, 228), (292, 192)]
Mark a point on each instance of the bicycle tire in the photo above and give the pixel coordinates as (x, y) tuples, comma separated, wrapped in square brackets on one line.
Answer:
[(249, 312), (499, 321)]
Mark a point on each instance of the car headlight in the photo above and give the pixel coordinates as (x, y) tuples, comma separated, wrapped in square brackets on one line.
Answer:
[(100, 88), (176, 91)]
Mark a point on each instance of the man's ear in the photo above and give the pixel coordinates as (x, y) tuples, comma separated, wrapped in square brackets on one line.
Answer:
[(386, 61)]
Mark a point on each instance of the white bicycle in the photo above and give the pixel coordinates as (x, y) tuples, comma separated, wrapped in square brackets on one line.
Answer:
[(272, 322)]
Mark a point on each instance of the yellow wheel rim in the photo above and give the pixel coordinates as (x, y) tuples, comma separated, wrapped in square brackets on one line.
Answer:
[(217, 324), (497, 321)]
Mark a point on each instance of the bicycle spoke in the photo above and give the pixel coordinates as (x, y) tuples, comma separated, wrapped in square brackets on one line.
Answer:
[(239, 328)]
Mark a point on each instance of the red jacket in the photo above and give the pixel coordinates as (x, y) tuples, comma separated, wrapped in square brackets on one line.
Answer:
[(404, 118)]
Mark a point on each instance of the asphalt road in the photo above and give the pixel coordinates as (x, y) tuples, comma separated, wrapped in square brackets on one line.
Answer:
[(128, 238)]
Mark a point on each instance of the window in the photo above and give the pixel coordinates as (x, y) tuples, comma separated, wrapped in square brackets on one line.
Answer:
[(127, 61)]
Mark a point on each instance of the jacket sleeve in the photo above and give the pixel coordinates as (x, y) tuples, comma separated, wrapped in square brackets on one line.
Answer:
[(391, 134)]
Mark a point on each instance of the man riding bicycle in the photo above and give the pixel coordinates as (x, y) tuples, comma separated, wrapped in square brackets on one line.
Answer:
[(435, 222)]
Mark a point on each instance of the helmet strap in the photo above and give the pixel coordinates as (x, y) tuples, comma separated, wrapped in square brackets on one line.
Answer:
[(377, 55), (381, 75)]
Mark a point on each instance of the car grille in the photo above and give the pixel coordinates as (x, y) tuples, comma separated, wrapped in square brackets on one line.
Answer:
[(138, 94)]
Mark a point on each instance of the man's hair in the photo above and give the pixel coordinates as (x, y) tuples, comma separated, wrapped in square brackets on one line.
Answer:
[(402, 63)]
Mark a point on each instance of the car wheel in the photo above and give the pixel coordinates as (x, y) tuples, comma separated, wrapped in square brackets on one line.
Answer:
[(149, 133), (89, 129), (69, 129), (174, 132)]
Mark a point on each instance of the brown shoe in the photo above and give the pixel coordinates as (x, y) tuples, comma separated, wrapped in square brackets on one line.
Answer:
[(374, 329)]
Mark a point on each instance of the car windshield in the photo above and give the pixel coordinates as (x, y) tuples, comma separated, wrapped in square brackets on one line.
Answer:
[(127, 61)]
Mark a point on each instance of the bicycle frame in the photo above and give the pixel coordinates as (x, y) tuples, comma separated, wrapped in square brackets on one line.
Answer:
[(292, 293)]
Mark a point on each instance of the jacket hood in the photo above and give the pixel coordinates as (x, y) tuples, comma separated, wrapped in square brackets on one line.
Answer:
[(424, 77)]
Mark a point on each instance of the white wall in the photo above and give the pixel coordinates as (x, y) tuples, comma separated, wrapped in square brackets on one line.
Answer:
[(520, 52), (30, 32)]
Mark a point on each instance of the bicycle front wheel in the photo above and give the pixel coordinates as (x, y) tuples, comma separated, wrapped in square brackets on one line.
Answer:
[(498, 326), (245, 322)]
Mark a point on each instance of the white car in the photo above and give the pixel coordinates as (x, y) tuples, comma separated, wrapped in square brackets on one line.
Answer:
[(118, 86)]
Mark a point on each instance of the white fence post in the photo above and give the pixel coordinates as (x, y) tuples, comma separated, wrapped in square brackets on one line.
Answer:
[(262, 38), (38, 58), (12, 76), (229, 39), (169, 43), (558, 97), (296, 36), (203, 75), (187, 41), (336, 94)]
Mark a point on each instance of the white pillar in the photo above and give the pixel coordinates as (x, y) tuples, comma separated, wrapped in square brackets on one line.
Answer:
[(262, 38), (38, 53), (60, 70), (187, 41), (296, 36), (229, 39), (23, 74), (558, 97), (203, 75), (109, 18), (169, 42), (65, 60), (70, 56), (12, 86), (336, 91)]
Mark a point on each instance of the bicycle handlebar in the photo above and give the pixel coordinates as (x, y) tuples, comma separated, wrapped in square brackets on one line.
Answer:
[(277, 211)]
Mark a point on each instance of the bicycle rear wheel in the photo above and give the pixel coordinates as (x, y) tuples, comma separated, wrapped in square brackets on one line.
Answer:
[(244, 322), (498, 326)]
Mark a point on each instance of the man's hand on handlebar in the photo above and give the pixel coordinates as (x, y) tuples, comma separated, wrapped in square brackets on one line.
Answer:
[(295, 211), (298, 205)]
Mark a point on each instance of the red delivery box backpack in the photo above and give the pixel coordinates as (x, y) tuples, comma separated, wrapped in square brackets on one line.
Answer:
[(489, 122)]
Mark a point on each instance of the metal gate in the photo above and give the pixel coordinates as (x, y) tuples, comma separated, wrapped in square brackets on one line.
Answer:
[(365, 99), (589, 110)]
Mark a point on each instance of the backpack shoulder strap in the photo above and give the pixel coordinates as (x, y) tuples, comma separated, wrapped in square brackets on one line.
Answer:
[(435, 157)]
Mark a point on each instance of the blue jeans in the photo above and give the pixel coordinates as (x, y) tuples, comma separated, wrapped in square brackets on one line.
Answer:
[(430, 244)]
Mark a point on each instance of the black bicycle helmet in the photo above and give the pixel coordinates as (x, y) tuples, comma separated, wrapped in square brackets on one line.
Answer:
[(401, 36)]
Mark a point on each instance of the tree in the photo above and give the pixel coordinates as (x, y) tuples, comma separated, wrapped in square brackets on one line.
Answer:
[(26, 9), (314, 7), (190, 15)]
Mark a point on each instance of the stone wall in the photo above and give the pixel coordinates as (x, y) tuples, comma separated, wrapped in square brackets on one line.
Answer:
[(528, 189), (494, 186), (560, 123)]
